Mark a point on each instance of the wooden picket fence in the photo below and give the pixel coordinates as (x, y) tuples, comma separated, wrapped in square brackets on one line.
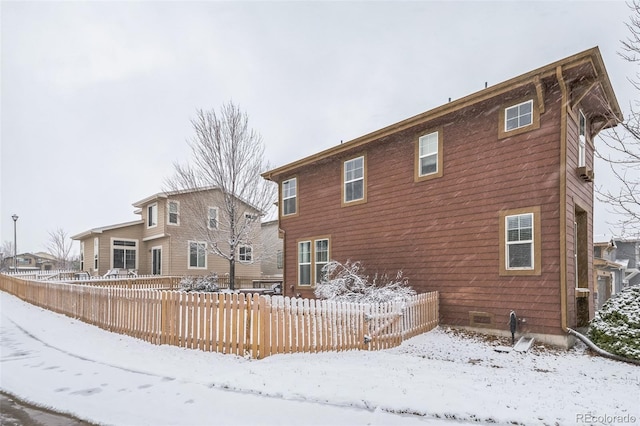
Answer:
[(246, 325)]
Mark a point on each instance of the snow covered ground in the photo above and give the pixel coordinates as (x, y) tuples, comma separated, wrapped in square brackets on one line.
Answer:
[(441, 377)]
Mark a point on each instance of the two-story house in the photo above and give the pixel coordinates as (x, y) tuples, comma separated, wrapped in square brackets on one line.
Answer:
[(175, 235), (617, 264), (487, 199)]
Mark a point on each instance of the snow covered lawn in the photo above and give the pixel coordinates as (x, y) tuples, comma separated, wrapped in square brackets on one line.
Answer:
[(440, 377)]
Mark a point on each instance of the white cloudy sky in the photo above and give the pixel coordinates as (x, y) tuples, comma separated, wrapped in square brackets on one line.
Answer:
[(96, 97)]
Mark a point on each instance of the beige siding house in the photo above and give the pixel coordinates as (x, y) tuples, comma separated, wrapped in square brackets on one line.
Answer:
[(177, 234)]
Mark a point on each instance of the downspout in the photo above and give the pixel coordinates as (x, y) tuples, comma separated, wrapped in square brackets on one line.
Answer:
[(599, 351), (563, 197)]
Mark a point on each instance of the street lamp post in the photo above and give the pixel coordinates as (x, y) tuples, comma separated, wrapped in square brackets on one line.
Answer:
[(15, 243)]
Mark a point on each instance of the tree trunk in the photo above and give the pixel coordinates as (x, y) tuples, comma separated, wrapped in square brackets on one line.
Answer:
[(232, 274)]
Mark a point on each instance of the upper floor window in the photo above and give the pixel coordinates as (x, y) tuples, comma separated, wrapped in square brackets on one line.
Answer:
[(428, 156), (354, 180), (197, 255), (173, 212), (152, 215), (212, 219), (289, 197), (582, 139), (518, 116)]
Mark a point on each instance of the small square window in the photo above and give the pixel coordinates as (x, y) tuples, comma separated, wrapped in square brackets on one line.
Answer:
[(518, 116)]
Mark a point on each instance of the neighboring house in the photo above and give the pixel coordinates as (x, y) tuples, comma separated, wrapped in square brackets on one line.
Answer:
[(174, 236), (273, 263), (487, 199), (617, 264), (33, 262)]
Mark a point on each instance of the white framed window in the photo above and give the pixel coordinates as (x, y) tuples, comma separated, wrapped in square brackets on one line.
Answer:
[(245, 254), (152, 215), (354, 180), (212, 218), (519, 241), (517, 116), (304, 263), (289, 197), (428, 154), (321, 257), (250, 217), (197, 255), (124, 253), (582, 139), (96, 248), (82, 255), (173, 212)]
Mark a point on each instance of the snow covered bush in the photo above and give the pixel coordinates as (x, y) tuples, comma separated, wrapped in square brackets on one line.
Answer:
[(347, 283), (616, 327), (207, 283)]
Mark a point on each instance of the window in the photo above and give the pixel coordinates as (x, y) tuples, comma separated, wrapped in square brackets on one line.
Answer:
[(518, 116), (152, 215), (353, 178), (428, 156), (280, 259), (96, 247), (304, 263), (289, 197), (212, 222), (520, 241), (313, 255), (582, 140), (520, 245), (173, 211), (245, 254), (124, 254), (250, 217), (197, 255), (82, 255), (321, 257)]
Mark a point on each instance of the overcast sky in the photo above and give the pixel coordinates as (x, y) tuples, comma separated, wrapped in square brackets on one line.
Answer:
[(97, 96)]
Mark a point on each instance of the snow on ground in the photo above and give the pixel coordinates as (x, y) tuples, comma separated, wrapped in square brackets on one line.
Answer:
[(441, 377)]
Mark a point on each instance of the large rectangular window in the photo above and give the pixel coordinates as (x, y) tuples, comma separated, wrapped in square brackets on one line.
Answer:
[(173, 212), (321, 257), (197, 255), (354, 180), (582, 140), (313, 255), (124, 254), (304, 263), (152, 215), (289, 197), (518, 116), (428, 154), (520, 245)]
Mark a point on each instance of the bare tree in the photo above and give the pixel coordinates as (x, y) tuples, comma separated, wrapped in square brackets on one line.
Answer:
[(59, 246), (227, 156), (622, 144), (6, 255)]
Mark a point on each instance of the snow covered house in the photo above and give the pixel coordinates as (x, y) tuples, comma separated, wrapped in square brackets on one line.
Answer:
[(172, 237), (487, 199), (617, 264)]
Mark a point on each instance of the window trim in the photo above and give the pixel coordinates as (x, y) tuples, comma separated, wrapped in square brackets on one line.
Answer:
[(363, 178), (313, 258), (204, 244), (535, 118), (282, 198), (418, 176), (152, 213), (536, 268), (177, 203)]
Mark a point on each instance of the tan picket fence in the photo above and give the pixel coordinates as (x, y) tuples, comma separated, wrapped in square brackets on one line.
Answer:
[(246, 325)]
